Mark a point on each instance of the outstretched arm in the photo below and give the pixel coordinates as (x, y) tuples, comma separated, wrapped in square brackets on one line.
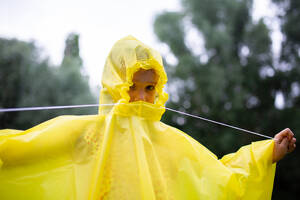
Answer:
[(284, 143)]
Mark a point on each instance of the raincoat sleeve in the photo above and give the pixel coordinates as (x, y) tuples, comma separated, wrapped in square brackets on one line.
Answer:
[(49, 161), (57, 134), (254, 169), (9, 132)]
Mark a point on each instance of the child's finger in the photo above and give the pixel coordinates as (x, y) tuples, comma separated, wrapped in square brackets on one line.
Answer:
[(291, 148), (290, 134), (282, 134), (292, 145), (286, 132), (284, 143)]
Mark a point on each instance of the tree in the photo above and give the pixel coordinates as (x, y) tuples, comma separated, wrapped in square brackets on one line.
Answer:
[(27, 80), (289, 86), (232, 78)]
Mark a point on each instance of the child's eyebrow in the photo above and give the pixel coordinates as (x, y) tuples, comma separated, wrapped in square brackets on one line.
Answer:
[(149, 81)]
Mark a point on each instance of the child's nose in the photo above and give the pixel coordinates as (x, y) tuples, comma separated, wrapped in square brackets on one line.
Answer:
[(142, 95)]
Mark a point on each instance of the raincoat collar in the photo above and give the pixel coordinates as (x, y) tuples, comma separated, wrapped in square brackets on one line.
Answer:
[(140, 109)]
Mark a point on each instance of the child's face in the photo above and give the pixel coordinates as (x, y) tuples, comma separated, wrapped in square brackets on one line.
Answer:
[(143, 88)]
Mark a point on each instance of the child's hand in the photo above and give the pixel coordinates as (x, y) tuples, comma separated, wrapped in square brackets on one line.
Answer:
[(284, 143)]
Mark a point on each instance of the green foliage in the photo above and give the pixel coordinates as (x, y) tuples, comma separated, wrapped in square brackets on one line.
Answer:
[(288, 82), (28, 80), (239, 79), (71, 53)]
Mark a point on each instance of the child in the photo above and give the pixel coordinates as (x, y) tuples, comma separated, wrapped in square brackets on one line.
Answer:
[(143, 89), (125, 152)]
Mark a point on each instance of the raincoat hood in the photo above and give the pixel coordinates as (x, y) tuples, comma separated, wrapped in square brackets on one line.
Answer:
[(126, 57)]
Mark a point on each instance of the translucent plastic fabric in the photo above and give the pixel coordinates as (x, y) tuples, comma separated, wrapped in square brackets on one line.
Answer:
[(125, 152)]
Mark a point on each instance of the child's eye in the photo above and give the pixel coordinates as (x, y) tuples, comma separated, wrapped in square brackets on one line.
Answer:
[(150, 87), (132, 87)]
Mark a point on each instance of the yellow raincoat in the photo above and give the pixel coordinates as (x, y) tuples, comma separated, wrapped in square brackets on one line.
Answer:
[(125, 152)]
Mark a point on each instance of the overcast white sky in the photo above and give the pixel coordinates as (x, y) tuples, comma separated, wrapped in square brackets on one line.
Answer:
[(100, 24)]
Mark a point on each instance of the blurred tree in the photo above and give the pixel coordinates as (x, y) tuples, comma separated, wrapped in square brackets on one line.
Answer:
[(224, 69), (71, 53), (73, 79), (289, 85), (27, 80)]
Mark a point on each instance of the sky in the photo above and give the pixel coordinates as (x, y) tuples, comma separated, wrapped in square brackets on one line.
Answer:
[(100, 23)]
